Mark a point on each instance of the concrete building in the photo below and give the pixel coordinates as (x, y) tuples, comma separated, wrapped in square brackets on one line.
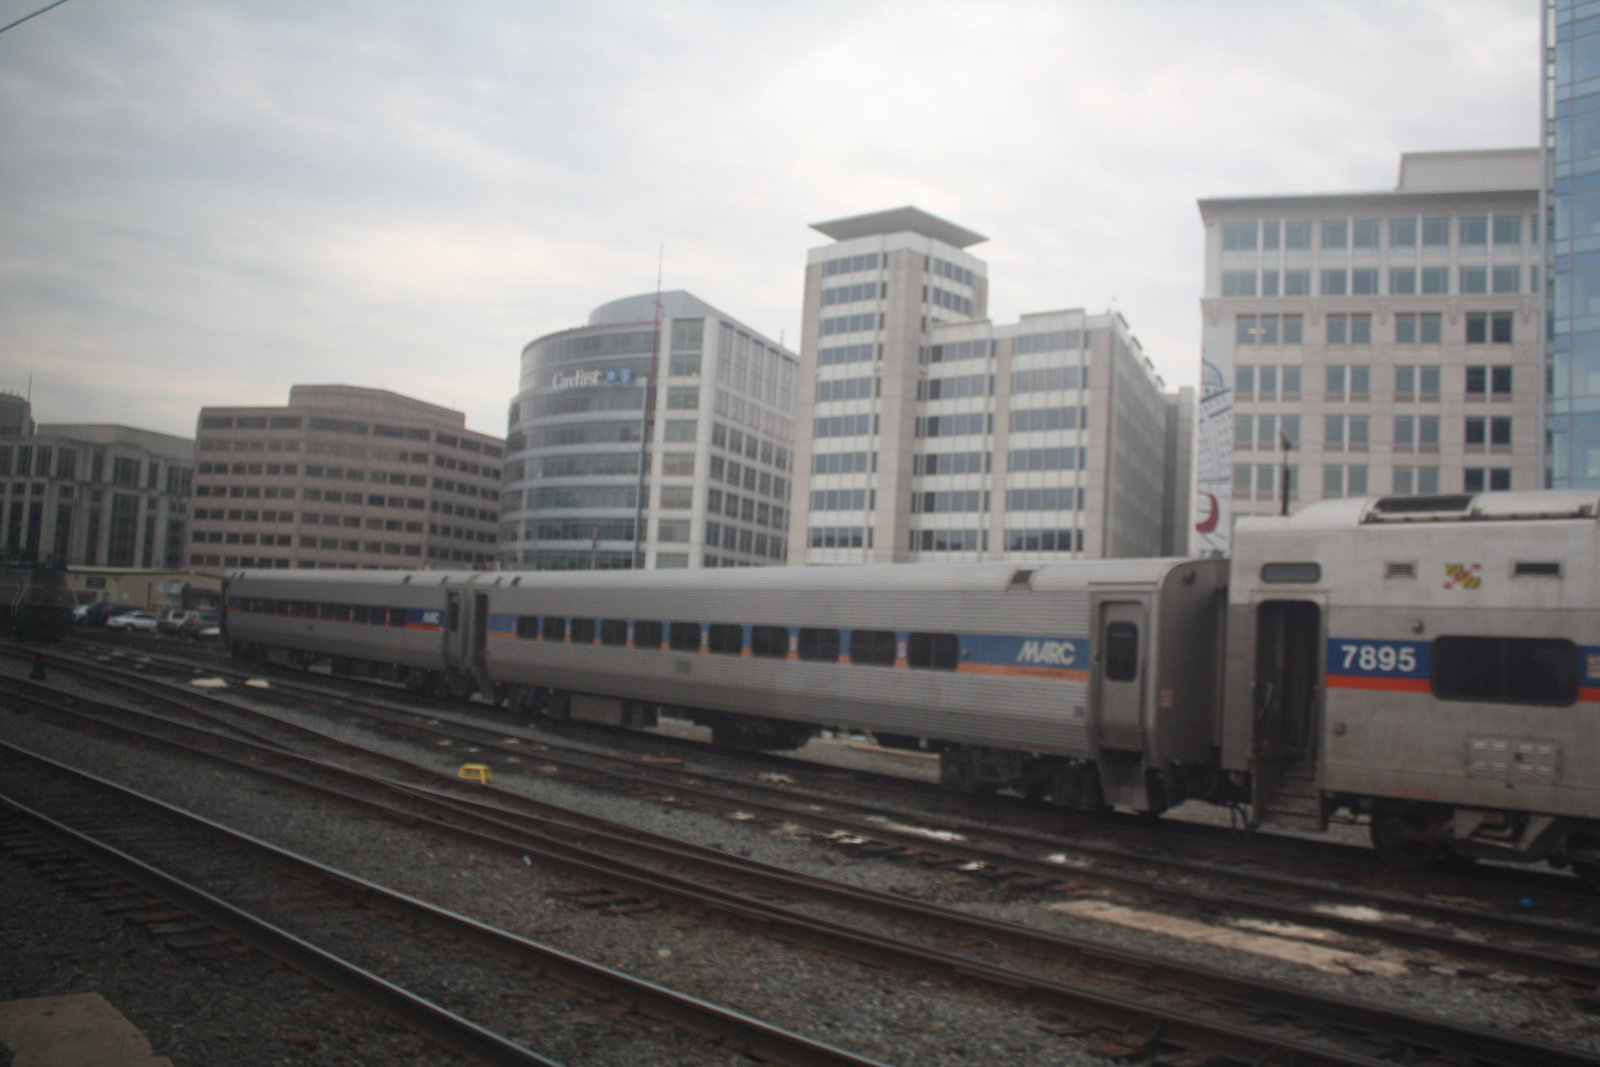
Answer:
[(1373, 342), (92, 494), (659, 435), (931, 433), (1571, 183), (343, 477)]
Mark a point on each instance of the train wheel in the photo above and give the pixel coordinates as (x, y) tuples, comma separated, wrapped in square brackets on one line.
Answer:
[(1402, 836)]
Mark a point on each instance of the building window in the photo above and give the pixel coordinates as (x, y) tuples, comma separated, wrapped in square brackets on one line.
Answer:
[(1402, 233), (1402, 280), (1508, 279), (1435, 280), (1416, 433), (1474, 231), (1484, 382), (1238, 283), (1423, 481), (1364, 281), (1296, 283), (1484, 327), (1239, 237), (1348, 383), (1488, 432), (1436, 233), (1334, 282), (1418, 328), (1508, 231), (1297, 234), (1364, 233), (1474, 279), (1335, 234), (1344, 481), (1486, 479)]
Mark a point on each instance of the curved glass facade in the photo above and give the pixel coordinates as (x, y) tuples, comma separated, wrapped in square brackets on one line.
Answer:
[(604, 472)]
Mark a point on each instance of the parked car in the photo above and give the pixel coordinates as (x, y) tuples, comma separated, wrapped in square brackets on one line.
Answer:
[(201, 626), (169, 621), (140, 621)]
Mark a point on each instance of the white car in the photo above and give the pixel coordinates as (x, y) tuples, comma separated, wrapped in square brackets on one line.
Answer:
[(142, 621)]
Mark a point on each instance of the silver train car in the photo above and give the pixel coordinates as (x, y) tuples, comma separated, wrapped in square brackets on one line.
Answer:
[(1429, 664), (1432, 663)]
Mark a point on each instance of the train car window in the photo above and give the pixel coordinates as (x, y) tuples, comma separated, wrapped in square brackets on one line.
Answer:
[(297, 609), (936, 652), (555, 628), (726, 638), (327, 611), (770, 641), (397, 617), (583, 631), (684, 636), (613, 632), (358, 613), (1304, 573), (647, 634), (872, 648), (341, 612), (1505, 670), (1122, 652), (820, 645), (527, 627)]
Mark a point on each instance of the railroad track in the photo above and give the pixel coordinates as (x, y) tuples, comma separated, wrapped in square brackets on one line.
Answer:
[(1210, 1029), (349, 929), (1025, 861)]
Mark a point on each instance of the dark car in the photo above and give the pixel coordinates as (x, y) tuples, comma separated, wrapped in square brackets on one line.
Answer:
[(200, 626)]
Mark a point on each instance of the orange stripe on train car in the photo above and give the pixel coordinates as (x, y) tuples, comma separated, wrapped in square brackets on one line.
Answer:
[(1392, 685)]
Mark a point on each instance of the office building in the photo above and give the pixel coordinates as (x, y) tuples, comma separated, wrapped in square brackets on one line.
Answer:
[(931, 433), (1373, 342), (92, 494), (343, 477), (1571, 182), (659, 435)]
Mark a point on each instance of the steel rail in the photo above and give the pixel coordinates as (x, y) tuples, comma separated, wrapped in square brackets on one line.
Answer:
[(602, 868), (745, 1032)]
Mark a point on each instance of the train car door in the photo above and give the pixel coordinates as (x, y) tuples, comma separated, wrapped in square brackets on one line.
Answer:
[(1288, 696), (452, 628), (478, 639), (1120, 641)]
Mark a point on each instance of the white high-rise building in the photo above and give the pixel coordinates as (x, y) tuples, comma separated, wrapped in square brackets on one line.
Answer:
[(1373, 342), (926, 432)]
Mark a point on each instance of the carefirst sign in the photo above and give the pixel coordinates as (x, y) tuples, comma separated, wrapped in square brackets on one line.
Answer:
[(589, 379)]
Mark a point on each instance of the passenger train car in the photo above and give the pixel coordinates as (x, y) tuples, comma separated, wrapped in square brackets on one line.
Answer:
[(1430, 663)]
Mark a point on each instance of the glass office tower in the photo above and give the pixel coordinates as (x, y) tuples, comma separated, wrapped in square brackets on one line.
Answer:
[(1571, 102)]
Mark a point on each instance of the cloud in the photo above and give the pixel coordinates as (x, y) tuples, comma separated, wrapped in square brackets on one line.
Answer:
[(207, 204)]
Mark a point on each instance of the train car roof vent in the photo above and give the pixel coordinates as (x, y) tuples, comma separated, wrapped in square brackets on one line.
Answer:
[(1404, 508), (1022, 579), (406, 579)]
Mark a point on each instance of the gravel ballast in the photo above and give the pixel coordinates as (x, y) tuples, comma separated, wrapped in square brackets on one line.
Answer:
[(248, 1011)]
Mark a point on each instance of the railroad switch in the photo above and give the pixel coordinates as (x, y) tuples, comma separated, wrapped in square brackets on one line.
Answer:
[(477, 772)]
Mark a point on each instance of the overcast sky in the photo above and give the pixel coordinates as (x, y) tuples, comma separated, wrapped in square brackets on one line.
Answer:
[(205, 203)]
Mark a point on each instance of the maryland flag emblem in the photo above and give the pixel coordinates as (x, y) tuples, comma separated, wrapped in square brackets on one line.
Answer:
[(1462, 575)]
